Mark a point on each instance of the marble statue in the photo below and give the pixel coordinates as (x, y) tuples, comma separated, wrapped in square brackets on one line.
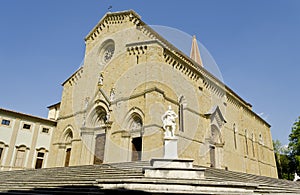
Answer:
[(296, 177), (169, 123)]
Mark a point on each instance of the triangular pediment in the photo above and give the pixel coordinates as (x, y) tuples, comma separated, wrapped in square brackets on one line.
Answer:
[(216, 115), (115, 18)]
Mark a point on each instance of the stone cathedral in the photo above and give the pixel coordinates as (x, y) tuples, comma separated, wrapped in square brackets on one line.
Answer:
[(111, 108)]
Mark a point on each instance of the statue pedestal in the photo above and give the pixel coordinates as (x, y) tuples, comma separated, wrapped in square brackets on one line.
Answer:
[(171, 166), (170, 148)]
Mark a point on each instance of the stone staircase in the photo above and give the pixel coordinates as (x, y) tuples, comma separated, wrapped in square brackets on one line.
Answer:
[(128, 177), (265, 185), (75, 179)]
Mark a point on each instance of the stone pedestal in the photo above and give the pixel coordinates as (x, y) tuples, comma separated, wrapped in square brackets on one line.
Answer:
[(170, 166), (173, 168), (170, 148)]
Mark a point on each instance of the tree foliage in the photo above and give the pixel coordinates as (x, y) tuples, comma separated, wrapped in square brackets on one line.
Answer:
[(288, 158), (283, 161), (294, 139), (294, 146)]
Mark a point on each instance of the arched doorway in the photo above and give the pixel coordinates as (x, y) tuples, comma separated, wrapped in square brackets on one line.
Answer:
[(99, 124), (214, 138), (215, 141), (68, 142), (136, 128), (136, 149)]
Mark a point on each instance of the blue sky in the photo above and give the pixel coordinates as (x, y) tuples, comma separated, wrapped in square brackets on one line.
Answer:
[(255, 43)]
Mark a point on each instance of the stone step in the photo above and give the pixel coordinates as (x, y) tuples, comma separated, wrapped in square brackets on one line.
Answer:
[(229, 175), (50, 180), (59, 190), (79, 178)]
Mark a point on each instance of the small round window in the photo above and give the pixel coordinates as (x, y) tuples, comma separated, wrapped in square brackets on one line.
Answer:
[(107, 51)]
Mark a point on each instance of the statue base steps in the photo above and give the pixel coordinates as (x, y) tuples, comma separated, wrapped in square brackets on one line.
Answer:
[(173, 168)]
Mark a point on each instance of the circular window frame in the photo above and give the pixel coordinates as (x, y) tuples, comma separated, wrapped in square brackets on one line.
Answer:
[(107, 51)]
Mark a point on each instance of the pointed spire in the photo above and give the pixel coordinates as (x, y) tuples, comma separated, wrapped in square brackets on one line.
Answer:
[(195, 52)]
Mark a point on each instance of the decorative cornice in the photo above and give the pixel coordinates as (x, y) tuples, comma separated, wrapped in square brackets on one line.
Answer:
[(111, 19), (145, 92), (74, 77), (137, 50), (216, 88), (181, 65)]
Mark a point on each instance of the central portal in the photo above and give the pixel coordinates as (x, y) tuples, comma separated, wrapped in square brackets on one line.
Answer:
[(136, 149)]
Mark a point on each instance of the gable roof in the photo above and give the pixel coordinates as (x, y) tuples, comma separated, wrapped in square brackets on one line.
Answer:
[(216, 109)]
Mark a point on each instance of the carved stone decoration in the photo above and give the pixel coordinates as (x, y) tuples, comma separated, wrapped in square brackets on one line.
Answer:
[(112, 94), (86, 104), (169, 123), (107, 117), (100, 80), (106, 52), (136, 125)]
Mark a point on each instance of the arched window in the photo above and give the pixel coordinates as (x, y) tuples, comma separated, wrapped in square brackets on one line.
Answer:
[(234, 136), (246, 142), (253, 149)]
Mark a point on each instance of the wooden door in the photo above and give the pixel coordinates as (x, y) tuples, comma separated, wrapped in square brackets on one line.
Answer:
[(136, 149), (68, 155), (99, 149)]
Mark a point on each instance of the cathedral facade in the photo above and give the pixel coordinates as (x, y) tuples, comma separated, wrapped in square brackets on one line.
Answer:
[(112, 108)]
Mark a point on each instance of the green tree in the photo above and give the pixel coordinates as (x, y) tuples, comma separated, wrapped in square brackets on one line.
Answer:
[(277, 147), (282, 161), (294, 146)]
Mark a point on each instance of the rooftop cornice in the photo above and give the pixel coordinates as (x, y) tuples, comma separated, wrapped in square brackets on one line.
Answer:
[(112, 15), (22, 115), (80, 69), (54, 105)]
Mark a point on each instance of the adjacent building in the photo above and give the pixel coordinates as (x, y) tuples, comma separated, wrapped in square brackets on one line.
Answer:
[(24, 140)]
